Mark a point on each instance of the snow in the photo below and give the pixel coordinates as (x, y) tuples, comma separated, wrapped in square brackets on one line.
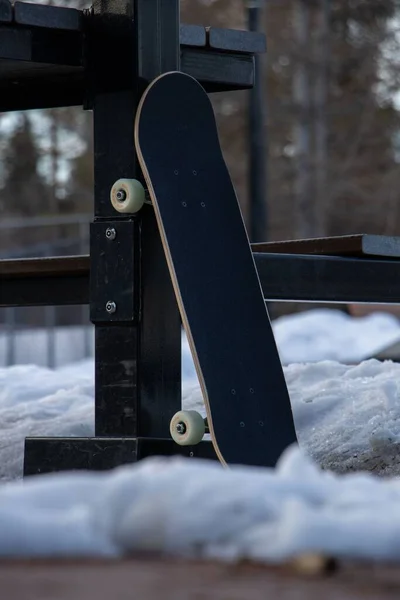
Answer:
[(326, 334), (198, 509), (347, 418)]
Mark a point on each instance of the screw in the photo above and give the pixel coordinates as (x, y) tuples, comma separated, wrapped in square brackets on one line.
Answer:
[(233, 392), (111, 234), (191, 454), (121, 195), (111, 307), (181, 428), (241, 424), (194, 172), (184, 204), (203, 204)]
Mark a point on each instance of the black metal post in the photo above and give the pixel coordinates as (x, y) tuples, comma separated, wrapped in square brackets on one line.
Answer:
[(257, 138), (138, 344)]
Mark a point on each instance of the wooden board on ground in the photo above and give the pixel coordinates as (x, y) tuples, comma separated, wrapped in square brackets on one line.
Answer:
[(158, 579), (346, 245)]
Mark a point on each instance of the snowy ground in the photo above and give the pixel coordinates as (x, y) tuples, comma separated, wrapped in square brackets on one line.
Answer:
[(326, 334), (347, 418)]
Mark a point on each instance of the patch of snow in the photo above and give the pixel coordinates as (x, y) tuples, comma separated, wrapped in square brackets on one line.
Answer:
[(327, 334), (347, 418), (198, 509)]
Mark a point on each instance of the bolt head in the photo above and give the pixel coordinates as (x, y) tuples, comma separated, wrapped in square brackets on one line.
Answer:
[(111, 233), (111, 307), (181, 428), (121, 195)]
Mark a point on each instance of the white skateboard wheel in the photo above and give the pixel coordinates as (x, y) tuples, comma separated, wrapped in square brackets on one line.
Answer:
[(187, 428), (127, 195)]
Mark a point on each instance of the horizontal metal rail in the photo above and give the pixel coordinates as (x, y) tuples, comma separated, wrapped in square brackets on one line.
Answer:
[(284, 277)]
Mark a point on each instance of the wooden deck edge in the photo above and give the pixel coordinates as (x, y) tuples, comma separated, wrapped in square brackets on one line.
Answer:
[(351, 246), (169, 579), (357, 245)]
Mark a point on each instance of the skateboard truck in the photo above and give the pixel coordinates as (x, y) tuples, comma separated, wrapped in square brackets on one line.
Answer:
[(129, 195)]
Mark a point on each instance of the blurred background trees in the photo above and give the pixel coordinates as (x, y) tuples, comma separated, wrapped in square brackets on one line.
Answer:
[(331, 77)]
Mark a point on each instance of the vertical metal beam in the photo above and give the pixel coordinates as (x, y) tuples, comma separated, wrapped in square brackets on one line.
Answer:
[(257, 133), (137, 361)]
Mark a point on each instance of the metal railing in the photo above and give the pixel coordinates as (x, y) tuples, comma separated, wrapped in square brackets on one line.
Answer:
[(44, 327)]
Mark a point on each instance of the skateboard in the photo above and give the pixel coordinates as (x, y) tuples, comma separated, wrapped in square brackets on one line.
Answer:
[(213, 273)]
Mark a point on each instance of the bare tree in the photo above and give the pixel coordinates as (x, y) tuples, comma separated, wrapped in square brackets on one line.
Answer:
[(305, 222), (322, 59)]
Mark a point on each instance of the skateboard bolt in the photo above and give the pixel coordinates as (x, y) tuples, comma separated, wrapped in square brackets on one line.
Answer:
[(181, 428), (111, 234), (121, 195), (111, 307)]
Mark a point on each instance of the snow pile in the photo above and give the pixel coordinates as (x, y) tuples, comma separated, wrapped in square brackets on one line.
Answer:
[(347, 417), (326, 334), (42, 402), (199, 509)]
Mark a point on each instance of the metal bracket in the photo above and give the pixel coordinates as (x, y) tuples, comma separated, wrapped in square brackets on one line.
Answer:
[(112, 272)]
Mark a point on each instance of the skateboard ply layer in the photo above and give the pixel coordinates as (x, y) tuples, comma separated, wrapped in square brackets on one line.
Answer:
[(213, 272)]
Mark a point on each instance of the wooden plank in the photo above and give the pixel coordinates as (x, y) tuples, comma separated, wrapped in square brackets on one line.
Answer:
[(166, 579), (192, 35), (349, 245), (5, 11), (44, 267), (346, 245), (236, 40), (52, 17)]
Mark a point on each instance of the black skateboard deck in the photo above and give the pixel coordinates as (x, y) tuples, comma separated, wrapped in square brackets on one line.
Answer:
[(213, 272)]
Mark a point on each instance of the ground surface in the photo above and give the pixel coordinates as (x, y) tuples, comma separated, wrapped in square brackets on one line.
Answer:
[(175, 580)]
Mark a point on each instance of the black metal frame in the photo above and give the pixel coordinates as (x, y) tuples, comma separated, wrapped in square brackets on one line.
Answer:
[(53, 56), (45, 53), (103, 59)]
